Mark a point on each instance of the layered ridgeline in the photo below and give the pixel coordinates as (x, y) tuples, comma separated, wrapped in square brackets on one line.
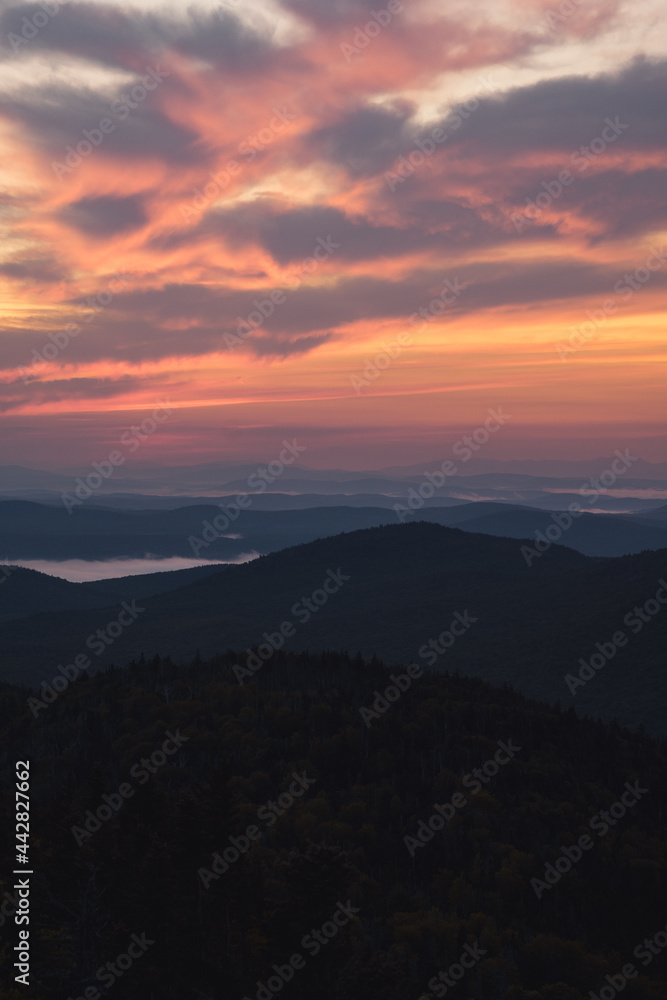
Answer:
[(262, 840), (586, 632), (207, 531), (32, 592)]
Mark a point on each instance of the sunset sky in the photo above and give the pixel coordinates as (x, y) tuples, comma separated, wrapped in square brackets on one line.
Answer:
[(499, 164)]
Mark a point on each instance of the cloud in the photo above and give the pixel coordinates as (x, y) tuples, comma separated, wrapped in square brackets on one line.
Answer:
[(621, 205), (332, 12), (146, 326), (320, 177), (564, 113), (117, 36), (16, 394), (498, 155), (55, 117), (292, 235), (264, 346), (40, 270), (365, 140), (105, 216)]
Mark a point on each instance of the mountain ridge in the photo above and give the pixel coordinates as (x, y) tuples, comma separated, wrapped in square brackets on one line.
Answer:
[(402, 586)]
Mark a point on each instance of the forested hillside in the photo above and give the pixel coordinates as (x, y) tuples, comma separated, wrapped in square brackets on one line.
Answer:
[(391, 592), (132, 836)]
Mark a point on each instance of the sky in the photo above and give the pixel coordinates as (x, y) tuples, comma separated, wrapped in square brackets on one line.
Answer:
[(357, 225)]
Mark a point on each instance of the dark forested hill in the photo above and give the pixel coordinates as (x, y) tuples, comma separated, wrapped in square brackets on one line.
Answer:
[(218, 830), (401, 592), (658, 514), (25, 592), (590, 534)]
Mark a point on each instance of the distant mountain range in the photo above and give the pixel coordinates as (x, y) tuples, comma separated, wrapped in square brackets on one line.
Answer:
[(31, 531), (215, 473), (540, 484), (399, 587)]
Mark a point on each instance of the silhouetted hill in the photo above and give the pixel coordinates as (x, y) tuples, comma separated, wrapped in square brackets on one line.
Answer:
[(591, 534), (659, 514), (207, 854), (29, 530), (406, 584), (37, 531), (28, 592), (148, 584)]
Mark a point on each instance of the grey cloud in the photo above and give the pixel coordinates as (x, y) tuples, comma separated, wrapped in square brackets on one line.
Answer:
[(41, 270), (332, 11), (292, 235), (314, 315), (114, 36), (623, 204), (55, 117), (315, 310), (19, 392), (561, 114), (569, 112), (366, 140), (276, 347), (105, 216)]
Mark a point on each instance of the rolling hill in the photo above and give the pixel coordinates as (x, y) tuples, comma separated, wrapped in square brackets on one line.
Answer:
[(400, 587), (37, 531), (25, 592), (197, 855)]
